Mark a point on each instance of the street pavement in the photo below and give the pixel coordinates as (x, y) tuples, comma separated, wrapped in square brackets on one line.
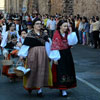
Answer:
[(87, 65)]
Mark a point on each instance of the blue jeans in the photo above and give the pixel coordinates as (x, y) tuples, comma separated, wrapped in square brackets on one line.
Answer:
[(80, 36)]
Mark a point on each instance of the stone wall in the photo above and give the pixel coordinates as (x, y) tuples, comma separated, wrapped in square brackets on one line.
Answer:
[(65, 7), (32, 6), (68, 7), (43, 6), (13, 6), (52, 7), (56, 6), (87, 7)]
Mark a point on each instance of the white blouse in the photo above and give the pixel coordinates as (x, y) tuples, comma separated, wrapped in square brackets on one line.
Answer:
[(52, 54), (4, 40), (23, 52), (3, 30)]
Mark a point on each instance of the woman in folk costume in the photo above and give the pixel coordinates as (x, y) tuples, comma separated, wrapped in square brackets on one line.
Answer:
[(9, 40), (34, 51), (63, 66), (19, 42), (22, 38)]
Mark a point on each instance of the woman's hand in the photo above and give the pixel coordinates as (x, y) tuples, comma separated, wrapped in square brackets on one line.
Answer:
[(19, 44), (21, 58), (56, 62), (46, 38)]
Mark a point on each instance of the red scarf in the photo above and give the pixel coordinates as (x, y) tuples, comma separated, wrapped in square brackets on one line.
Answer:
[(59, 42)]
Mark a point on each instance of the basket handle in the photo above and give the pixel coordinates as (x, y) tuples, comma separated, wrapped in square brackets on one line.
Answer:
[(19, 62)]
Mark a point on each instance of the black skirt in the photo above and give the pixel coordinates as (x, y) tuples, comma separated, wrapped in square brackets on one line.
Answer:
[(65, 71)]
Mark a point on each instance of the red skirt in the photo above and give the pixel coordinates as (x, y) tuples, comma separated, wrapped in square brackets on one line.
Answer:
[(5, 70)]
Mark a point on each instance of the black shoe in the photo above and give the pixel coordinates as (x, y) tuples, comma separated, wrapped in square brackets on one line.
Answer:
[(40, 94), (94, 47), (98, 47), (60, 92), (29, 91), (64, 95)]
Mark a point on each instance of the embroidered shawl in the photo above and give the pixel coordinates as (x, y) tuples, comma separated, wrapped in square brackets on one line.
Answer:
[(33, 39), (59, 42)]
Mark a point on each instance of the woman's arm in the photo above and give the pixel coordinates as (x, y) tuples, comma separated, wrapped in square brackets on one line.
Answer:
[(52, 54), (4, 40), (23, 52), (18, 36)]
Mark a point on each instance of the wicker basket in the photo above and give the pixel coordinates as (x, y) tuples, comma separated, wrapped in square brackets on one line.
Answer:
[(18, 72), (7, 62)]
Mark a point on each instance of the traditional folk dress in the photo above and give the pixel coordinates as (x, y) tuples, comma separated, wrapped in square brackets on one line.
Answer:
[(18, 47), (7, 46), (64, 72), (34, 51)]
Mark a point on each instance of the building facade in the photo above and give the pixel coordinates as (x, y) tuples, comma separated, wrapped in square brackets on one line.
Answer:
[(32, 6), (2, 5), (41, 6), (65, 7), (51, 6), (87, 7), (13, 6)]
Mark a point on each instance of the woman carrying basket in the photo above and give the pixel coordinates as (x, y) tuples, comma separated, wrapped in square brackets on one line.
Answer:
[(8, 42)]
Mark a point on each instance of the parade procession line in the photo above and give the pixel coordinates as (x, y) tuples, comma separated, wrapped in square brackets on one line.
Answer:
[(89, 84)]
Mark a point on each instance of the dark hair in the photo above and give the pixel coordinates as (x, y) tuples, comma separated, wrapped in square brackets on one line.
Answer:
[(72, 26), (97, 18), (46, 30), (81, 18), (10, 18), (60, 23), (29, 23), (11, 25), (93, 20), (85, 18), (35, 20), (23, 30)]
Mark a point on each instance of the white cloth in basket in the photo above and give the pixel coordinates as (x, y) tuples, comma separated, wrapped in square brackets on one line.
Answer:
[(23, 69)]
